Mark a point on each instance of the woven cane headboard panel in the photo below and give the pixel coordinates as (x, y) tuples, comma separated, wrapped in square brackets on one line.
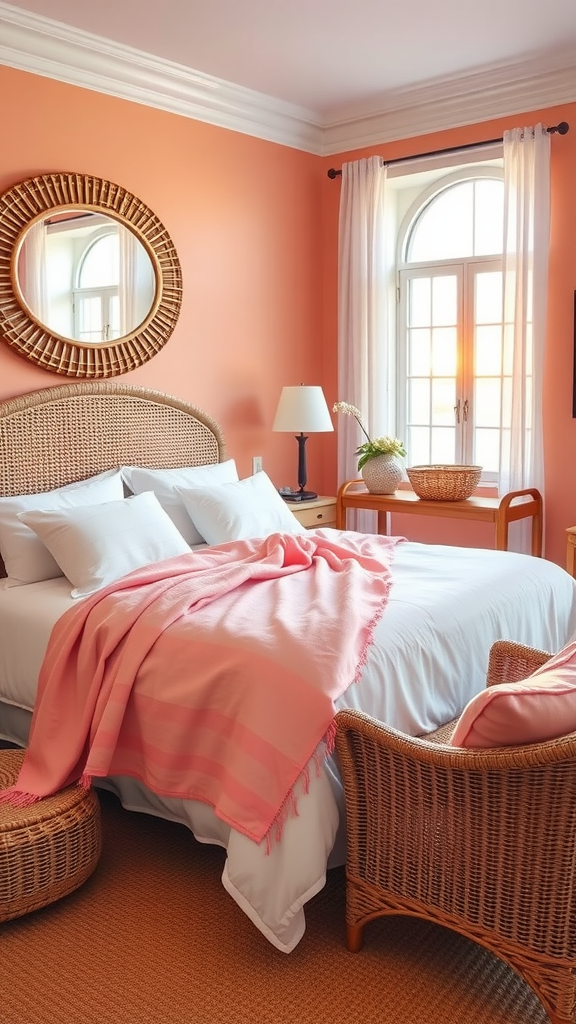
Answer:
[(52, 437)]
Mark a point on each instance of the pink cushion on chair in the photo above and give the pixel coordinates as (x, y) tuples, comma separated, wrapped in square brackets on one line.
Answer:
[(538, 708)]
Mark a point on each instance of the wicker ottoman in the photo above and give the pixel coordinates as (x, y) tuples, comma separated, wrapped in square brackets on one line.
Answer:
[(46, 850)]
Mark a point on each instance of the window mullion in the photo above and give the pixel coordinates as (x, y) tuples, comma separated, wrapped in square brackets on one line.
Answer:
[(466, 455)]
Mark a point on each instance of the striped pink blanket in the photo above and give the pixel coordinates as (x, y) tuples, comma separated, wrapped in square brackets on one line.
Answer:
[(211, 676)]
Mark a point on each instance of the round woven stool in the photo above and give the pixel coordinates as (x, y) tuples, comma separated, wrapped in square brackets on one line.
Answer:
[(48, 849)]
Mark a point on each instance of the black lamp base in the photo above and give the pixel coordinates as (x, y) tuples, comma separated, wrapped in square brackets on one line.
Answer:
[(302, 496)]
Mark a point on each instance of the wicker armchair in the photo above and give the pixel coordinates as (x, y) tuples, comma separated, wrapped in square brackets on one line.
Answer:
[(480, 841)]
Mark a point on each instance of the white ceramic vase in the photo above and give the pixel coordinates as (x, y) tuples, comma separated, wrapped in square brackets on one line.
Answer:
[(383, 474)]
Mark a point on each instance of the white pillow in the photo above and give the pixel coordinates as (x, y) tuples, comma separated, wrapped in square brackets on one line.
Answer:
[(236, 511), (97, 544), (26, 558), (165, 481)]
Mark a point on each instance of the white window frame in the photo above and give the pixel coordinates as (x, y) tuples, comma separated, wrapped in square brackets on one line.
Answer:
[(465, 268), (105, 293)]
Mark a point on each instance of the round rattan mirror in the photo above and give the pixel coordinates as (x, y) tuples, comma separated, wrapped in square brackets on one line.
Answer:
[(90, 281)]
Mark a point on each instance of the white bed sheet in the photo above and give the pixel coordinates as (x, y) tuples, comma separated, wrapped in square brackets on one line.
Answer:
[(429, 657)]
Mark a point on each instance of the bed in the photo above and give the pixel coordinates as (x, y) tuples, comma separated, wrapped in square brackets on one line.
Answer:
[(428, 657)]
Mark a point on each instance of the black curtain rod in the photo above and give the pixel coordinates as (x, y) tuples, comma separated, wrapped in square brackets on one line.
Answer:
[(561, 128)]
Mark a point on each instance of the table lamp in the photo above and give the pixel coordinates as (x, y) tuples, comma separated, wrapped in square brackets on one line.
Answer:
[(302, 409)]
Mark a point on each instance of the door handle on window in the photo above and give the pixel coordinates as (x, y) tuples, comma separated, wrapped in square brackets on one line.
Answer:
[(465, 411), (457, 411)]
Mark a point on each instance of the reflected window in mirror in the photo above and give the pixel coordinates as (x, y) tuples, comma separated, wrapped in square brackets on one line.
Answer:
[(96, 297), (86, 276)]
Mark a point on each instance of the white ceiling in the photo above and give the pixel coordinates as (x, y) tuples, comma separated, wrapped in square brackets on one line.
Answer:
[(330, 64)]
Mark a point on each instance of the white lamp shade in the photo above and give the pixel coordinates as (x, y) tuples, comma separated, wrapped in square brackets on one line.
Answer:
[(302, 409)]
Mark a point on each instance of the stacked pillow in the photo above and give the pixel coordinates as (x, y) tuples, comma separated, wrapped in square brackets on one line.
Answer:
[(94, 545), (26, 558), (92, 534), (237, 511), (164, 484)]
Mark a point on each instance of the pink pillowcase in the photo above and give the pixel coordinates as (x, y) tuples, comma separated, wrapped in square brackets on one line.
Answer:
[(538, 708)]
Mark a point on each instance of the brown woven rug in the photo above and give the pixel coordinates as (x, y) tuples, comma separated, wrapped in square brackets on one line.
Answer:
[(153, 938)]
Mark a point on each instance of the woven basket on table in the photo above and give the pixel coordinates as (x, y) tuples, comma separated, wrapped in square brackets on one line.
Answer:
[(48, 849), (444, 483)]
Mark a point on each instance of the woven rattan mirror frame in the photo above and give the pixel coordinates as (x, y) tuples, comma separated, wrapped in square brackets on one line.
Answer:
[(30, 201)]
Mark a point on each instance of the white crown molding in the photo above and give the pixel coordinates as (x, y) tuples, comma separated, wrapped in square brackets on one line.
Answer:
[(30, 42), (498, 92)]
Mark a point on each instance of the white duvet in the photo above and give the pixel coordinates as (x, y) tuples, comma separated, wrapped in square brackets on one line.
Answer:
[(429, 657)]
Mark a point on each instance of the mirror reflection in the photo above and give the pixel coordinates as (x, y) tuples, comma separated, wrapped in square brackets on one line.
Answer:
[(85, 276)]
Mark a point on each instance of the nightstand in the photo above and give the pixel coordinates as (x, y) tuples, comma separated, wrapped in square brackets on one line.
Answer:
[(320, 511)]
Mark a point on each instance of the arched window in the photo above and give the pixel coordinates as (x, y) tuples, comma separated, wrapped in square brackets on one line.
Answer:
[(451, 378), (96, 295)]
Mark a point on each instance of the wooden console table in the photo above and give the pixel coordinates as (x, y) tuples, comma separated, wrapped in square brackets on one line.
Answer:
[(500, 511)]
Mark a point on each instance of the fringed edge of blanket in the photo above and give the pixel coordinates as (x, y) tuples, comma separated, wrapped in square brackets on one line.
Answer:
[(363, 657), (289, 808), (20, 798)]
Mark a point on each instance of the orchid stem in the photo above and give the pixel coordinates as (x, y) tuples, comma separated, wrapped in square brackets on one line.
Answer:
[(363, 431)]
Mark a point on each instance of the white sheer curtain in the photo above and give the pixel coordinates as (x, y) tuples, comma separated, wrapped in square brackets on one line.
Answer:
[(525, 290), (32, 272), (137, 283), (127, 287), (365, 350), (526, 245)]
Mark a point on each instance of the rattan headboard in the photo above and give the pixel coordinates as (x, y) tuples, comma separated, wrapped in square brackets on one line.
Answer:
[(52, 437)]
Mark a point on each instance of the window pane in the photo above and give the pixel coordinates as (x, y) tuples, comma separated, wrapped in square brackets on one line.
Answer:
[(488, 351), (444, 351), (444, 229), (443, 401), (489, 297), (419, 401), (488, 216), (443, 445), (444, 300), (486, 449), (418, 441), (90, 319), (101, 264), (465, 219), (419, 304), (487, 402), (419, 352)]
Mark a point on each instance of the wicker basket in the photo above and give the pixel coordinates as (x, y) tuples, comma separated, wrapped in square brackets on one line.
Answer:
[(46, 850), (444, 483)]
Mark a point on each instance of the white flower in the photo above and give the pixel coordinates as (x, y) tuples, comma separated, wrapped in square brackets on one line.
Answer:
[(345, 407), (350, 410), (370, 449)]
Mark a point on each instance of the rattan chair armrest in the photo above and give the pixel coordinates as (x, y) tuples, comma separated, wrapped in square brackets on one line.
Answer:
[(509, 662), (419, 749)]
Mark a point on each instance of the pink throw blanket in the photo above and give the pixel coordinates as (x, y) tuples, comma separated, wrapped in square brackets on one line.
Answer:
[(211, 676)]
